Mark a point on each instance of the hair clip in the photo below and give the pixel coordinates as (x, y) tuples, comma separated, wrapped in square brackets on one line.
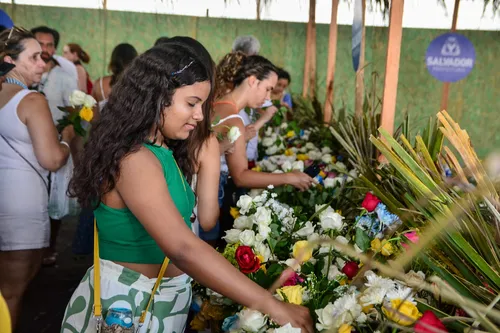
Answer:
[(10, 35), (182, 69)]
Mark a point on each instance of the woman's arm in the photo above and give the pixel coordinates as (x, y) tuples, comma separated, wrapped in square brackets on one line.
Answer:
[(207, 188), (35, 113), (82, 78), (243, 177), (144, 191)]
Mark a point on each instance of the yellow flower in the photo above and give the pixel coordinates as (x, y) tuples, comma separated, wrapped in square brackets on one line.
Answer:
[(387, 249), (86, 114), (302, 251), (293, 293), (322, 174), (334, 159), (257, 168), (290, 134), (345, 328), (376, 245), (263, 266), (401, 312), (288, 152), (235, 212), (302, 157), (367, 308)]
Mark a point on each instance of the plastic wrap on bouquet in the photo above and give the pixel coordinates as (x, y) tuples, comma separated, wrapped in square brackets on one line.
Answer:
[(60, 205)]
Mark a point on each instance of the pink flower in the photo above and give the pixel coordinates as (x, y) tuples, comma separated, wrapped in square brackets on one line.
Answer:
[(308, 163), (331, 174), (293, 280), (412, 237)]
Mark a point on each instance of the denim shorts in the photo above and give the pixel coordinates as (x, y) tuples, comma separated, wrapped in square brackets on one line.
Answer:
[(214, 233)]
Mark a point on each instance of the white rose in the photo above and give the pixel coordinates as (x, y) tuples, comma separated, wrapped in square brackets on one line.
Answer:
[(251, 320), (306, 230), (341, 240), (303, 150), (269, 131), (310, 146), (243, 222), (314, 155), (232, 236), (327, 158), (329, 182), (284, 125), (272, 150), (333, 272), (298, 165), (294, 150), (269, 165), (268, 142), (287, 329), (247, 237), (263, 216), (326, 150), (233, 134), (263, 250), (278, 171), (264, 231), (332, 221), (89, 101), (325, 317), (340, 166), (244, 203), (286, 166), (255, 192), (77, 98)]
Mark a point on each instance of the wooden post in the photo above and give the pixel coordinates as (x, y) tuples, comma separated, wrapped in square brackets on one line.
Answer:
[(310, 39), (360, 74), (446, 85), (312, 60), (258, 10), (392, 65), (332, 57)]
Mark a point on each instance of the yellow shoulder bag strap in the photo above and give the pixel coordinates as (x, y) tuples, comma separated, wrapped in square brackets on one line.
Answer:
[(97, 309)]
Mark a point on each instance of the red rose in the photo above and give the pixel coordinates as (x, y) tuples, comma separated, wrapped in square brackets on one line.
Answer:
[(428, 320), (247, 260), (370, 202), (350, 269)]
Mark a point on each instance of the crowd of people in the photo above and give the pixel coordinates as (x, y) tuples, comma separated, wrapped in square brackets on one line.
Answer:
[(157, 173)]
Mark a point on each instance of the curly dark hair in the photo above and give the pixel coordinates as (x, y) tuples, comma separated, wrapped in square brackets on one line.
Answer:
[(134, 109), (202, 132), (235, 67)]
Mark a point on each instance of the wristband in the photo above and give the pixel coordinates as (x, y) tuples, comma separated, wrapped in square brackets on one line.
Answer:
[(64, 143)]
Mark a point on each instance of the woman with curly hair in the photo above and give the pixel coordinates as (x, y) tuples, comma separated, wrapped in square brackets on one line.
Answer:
[(143, 202), (245, 81)]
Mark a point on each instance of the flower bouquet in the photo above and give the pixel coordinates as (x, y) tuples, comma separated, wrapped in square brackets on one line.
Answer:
[(80, 113)]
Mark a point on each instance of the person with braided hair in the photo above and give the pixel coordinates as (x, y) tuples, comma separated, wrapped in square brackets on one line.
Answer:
[(245, 81)]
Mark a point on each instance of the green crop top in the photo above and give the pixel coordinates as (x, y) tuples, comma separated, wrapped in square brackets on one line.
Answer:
[(123, 238)]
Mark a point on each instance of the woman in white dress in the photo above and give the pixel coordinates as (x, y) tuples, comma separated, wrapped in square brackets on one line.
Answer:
[(29, 150)]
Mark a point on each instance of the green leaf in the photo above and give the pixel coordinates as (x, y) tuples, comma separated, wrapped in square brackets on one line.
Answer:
[(307, 268), (362, 239)]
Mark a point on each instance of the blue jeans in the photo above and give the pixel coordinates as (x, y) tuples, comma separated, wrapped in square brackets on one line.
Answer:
[(214, 233)]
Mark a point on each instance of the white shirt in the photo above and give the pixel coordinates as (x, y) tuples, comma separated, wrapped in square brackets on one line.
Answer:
[(67, 66), (57, 86), (252, 145)]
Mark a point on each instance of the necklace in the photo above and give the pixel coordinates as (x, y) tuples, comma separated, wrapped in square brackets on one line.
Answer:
[(12, 80)]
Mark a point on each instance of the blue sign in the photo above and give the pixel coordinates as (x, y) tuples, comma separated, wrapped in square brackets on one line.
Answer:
[(5, 20), (357, 31), (450, 57)]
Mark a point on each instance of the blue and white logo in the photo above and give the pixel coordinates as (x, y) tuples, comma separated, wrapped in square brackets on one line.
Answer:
[(450, 57)]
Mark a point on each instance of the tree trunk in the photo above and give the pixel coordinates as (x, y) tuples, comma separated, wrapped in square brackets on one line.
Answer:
[(310, 59), (446, 85), (332, 57), (360, 74), (258, 10), (392, 65)]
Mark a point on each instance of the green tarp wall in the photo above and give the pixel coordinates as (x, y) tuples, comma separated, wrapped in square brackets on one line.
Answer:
[(474, 101)]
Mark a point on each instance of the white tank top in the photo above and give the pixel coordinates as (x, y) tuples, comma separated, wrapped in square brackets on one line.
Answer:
[(102, 103), (16, 133)]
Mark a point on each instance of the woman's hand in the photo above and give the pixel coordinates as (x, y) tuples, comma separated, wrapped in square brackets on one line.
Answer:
[(298, 316), (299, 180), (269, 113), (226, 147), (250, 132), (68, 134)]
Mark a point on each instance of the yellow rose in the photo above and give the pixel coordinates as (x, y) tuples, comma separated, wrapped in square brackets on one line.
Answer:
[(290, 134), (367, 308), (288, 152), (257, 168), (376, 245), (334, 159), (345, 328), (86, 114), (235, 212), (302, 157), (406, 308), (302, 251), (292, 293), (387, 249)]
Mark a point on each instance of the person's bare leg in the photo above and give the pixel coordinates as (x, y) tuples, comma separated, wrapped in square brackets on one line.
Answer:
[(18, 269)]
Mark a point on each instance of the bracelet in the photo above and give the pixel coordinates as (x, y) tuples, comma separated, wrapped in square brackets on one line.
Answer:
[(64, 143)]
